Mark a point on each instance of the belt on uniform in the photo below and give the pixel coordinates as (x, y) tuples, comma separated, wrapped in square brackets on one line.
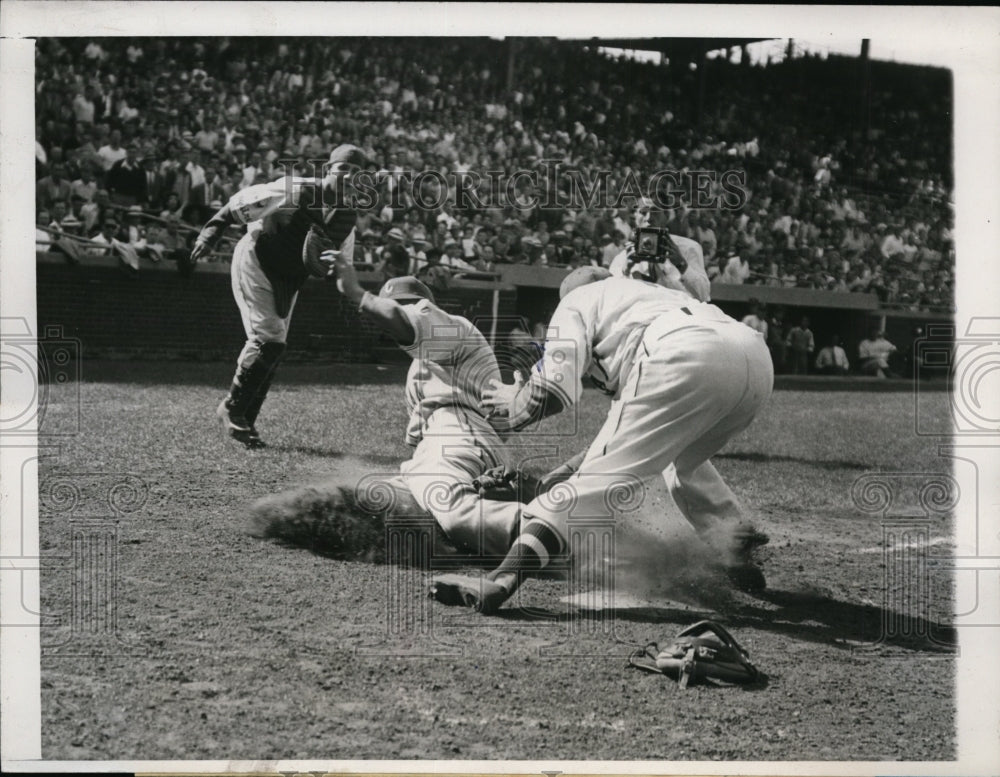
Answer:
[(661, 326)]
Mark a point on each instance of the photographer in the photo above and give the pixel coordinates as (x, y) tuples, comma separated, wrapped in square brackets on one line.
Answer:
[(685, 270)]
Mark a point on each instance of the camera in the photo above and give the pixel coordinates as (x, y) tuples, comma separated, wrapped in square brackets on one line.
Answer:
[(654, 245)]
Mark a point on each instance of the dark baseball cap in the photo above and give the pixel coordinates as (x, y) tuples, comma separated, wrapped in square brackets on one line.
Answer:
[(405, 288)]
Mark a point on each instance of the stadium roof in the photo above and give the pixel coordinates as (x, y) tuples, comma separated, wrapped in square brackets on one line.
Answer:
[(675, 49)]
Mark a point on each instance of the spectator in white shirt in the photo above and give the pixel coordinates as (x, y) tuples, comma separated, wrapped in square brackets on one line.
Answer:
[(113, 151), (756, 319), (874, 354), (832, 360), (737, 271)]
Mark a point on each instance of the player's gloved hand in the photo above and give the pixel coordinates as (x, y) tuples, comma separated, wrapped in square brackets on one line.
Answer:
[(499, 483), (199, 251)]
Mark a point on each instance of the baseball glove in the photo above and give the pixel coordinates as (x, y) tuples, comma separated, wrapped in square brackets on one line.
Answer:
[(315, 245), (503, 484), (703, 651)]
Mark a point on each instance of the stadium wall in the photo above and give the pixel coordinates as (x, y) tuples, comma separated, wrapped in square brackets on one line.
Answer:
[(158, 312)]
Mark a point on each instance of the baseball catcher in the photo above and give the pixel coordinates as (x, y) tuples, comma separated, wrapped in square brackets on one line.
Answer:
[(291, 223)]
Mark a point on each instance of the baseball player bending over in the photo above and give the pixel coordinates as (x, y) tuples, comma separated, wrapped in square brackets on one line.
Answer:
[(290, 222), (686, 378)]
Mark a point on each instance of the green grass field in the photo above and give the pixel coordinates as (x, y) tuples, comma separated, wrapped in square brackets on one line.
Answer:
[(225, 647)]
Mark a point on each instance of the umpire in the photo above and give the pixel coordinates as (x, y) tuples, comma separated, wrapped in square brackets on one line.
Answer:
[(291, 222)]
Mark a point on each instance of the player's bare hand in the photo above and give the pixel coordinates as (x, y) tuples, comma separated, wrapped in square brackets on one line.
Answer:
[(199, 251), (498, 396)]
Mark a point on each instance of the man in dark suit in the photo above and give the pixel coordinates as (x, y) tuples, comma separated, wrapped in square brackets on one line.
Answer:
[(127, 180), (156, 186)]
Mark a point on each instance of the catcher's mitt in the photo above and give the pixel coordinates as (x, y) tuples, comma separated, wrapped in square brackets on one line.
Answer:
[(506, 485), (703, 651), (315, 245)]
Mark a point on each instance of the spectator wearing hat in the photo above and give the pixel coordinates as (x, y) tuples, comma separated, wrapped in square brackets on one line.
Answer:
[(107, 236), (452, 257), (531, 248), (365, 251)]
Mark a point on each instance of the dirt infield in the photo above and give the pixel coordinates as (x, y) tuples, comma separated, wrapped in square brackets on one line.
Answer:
[(168, 633)]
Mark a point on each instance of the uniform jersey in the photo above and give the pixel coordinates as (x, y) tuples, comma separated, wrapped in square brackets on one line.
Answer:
[(694, 281), (452, 363), (280, 214), (597, 328)]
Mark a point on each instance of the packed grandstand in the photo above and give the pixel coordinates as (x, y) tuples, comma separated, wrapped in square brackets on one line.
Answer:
[(787, 174)]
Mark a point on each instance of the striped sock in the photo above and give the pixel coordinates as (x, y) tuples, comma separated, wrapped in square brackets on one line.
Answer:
[(530, 552)]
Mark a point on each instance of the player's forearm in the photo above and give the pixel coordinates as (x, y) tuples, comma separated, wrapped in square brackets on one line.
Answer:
[(386, 314), (212, 232)]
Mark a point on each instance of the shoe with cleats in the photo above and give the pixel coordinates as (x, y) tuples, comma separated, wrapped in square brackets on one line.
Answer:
[(235, 426), (478, 593)]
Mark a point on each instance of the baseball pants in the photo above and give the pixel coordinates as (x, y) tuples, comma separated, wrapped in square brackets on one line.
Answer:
[(697, 381), (255, 298), (455, 449)]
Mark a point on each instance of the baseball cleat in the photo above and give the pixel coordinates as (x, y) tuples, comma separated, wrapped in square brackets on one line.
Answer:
[(254, 440), (479, 593), (235, 425)]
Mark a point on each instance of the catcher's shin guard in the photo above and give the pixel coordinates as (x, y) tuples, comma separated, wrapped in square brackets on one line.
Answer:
[(271, 354)]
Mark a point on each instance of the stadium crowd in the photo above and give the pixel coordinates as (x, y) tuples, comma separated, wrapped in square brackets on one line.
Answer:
[(139, 141)]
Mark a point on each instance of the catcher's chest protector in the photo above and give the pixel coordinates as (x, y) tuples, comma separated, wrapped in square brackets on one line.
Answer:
[(704, 651)]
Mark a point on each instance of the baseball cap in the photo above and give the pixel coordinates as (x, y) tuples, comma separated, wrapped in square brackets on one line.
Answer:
[(405, 288), (581, 276), (346, 154)]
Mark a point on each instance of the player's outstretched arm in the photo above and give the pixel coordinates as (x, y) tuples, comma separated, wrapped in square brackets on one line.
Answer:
[(386, 314), (211, 233)]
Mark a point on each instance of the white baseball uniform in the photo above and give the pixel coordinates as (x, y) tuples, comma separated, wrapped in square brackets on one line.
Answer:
[(453, 442), (686, 379), (694, 281)]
